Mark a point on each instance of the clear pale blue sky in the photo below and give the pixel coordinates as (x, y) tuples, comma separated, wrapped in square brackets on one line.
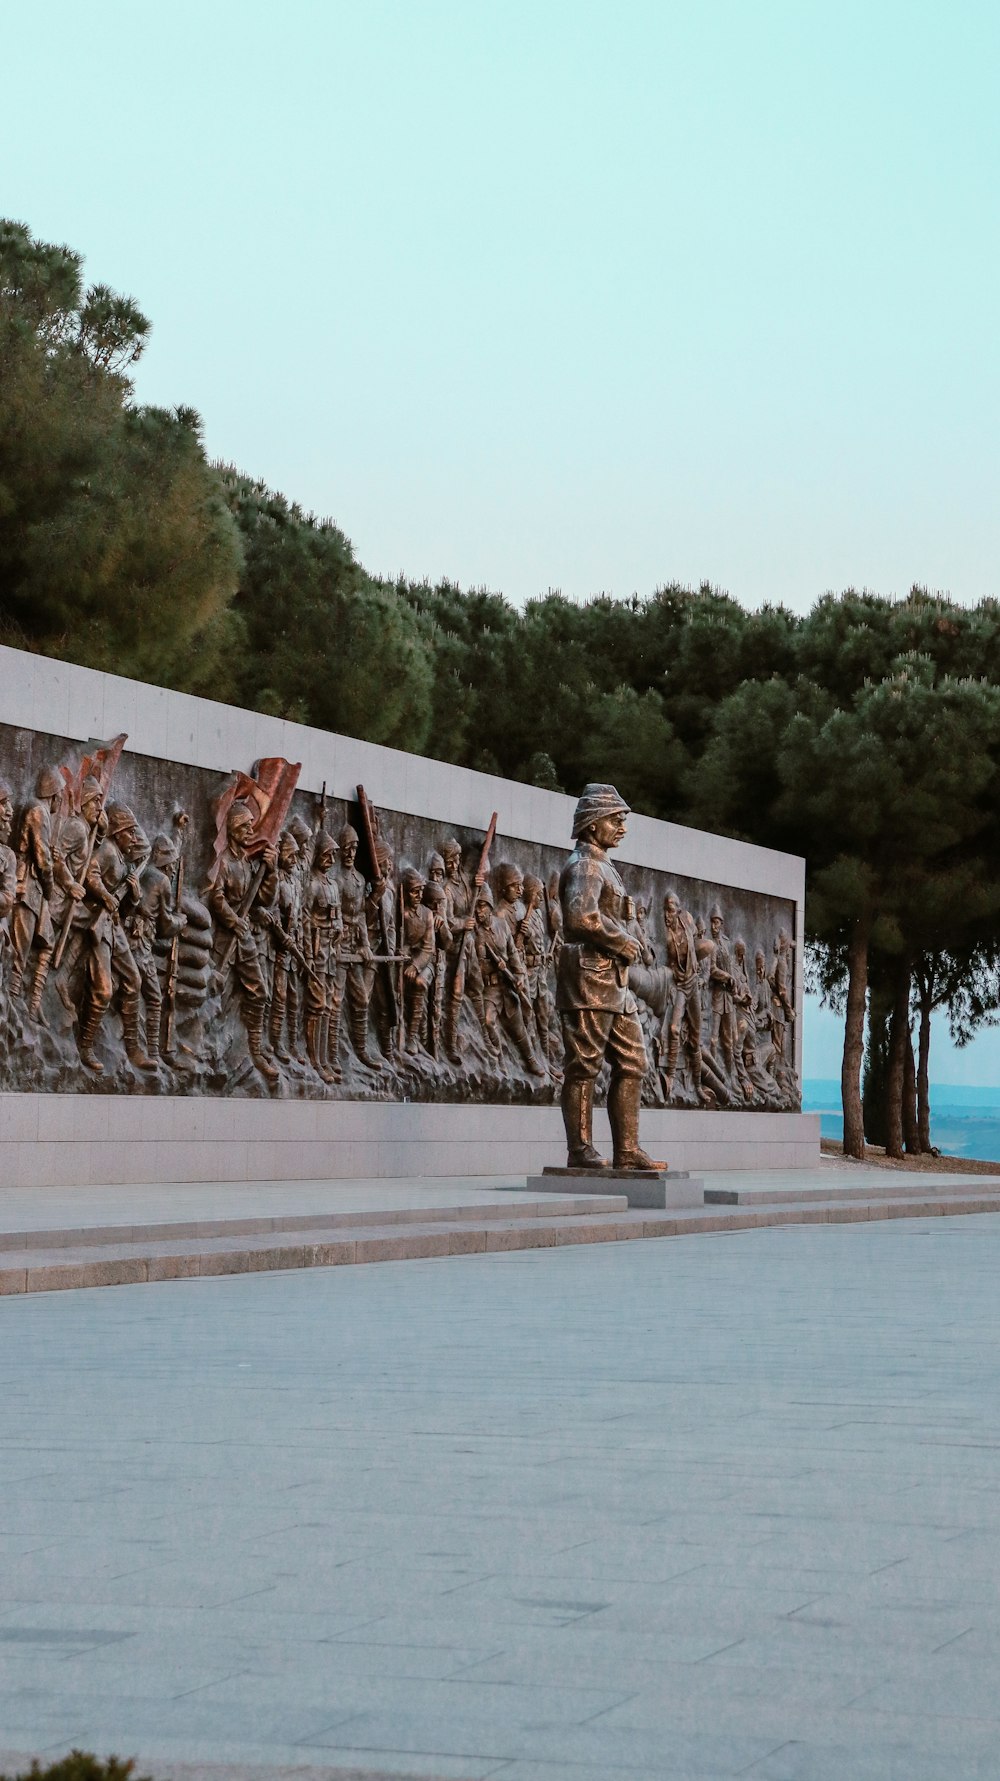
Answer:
[(561, 294)]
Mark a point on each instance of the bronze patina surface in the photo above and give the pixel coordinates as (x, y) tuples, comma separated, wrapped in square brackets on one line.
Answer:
[(165, 932)]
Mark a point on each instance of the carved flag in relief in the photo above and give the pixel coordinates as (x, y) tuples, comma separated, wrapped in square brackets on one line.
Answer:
[(267, 794), (99, 765)]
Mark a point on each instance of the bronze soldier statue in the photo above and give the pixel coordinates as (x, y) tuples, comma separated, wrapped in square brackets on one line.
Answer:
[(435, 898), (461, 973), (764, 1047), (38, 869), (356, 971), (109, 966), (323, 927), (534, 949), (720, 977), (8, 874), (596, 1007), (152, 918), (417, 943), (782, 1006), (509, 892), (501, 970), (743, 1017), (285, 929), (72, 920), (304, 837), (380, 915), (233, 901), (685, 952)]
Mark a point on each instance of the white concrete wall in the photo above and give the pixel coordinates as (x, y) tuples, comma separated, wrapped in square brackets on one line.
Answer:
[(103, 1138)]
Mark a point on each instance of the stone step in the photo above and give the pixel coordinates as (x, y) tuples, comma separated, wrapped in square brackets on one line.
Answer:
[(49, 1269), (263, 1225), (937, 1186)]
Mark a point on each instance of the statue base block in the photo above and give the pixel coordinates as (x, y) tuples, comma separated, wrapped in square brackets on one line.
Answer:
[(647, 1190)]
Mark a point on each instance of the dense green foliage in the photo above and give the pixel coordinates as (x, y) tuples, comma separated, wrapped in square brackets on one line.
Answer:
[(864, 734), (116, 544)]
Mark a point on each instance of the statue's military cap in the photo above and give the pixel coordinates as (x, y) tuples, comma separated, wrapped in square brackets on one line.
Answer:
[(597, 801)]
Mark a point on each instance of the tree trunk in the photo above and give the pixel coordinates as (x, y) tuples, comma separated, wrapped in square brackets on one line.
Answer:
[(924, 1076), (911, 1134), (899, 1038), (854, 1039)]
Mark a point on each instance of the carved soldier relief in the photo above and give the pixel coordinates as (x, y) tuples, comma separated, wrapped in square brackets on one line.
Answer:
[(165, 931)]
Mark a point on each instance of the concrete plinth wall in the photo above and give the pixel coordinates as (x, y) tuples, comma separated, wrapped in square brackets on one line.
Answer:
[(98, 1140), (95, 1138)]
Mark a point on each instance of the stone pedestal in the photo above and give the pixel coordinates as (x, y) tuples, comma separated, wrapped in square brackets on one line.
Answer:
[(647, 1190)]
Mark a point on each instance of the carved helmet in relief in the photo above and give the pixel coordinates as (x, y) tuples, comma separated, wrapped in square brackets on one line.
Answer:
[(91, 792), (412, 880), (451, 850), (120, 819), (505, 875), (435, 867), (347, 837), (484, 896), (533, 887), (324, 849), (49, 783), (163, 853), (435, 896)]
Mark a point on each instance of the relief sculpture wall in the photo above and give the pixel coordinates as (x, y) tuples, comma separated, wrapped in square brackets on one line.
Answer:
[(167, 930)]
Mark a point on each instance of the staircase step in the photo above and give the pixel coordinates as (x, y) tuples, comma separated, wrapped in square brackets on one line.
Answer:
[(49, 1268), (480, 1211), (937, 1187)]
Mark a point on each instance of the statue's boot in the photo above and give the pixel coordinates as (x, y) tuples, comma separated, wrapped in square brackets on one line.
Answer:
[(669, 1069), (38, 985), (532, 1064), (276, 1018), (254, 1018), (86, 1034), (130, 1028), (329, 1068), (415, 1019), (315, 1024), (359, 1037), (331, 1041), (544, 1036), (577, 1103), (624, 1097), (451, 1044), (295, 1020), (153, 1025)]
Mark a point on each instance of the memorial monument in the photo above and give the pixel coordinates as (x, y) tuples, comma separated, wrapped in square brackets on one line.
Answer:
[(177, 927)]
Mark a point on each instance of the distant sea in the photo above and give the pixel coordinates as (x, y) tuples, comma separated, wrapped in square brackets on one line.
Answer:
[(965, 1121)]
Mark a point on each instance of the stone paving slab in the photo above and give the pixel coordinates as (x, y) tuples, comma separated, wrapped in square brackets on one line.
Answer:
[(683, 1509)]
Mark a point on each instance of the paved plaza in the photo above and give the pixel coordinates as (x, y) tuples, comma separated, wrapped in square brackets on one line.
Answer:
[(701, 1507)]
